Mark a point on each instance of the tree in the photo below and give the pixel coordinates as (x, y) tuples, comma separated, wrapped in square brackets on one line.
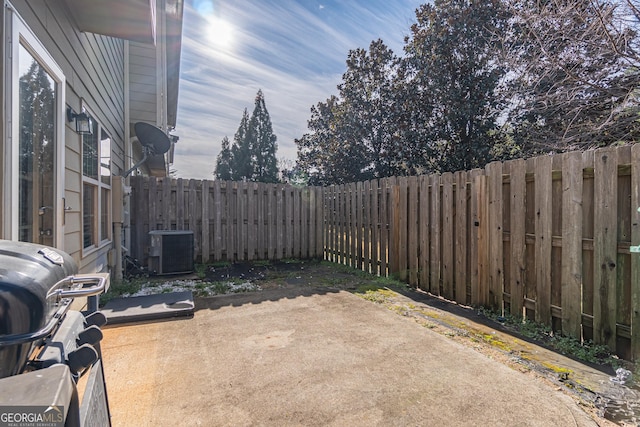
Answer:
[(326, 154), (263, 143), (241, 151), (369, 101), (452, 70), (223, 162), (575, 68), (355, 136), (252, 156), (435, 109)]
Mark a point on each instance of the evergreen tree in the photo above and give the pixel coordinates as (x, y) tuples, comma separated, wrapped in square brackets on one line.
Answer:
[(263, 143), (326, 154), (356, 137), (451, 59), (370, 119), (252, 156), (241, 151), (223, 162)]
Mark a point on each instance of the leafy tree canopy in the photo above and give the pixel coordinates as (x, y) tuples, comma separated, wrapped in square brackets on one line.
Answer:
[(480, 81)]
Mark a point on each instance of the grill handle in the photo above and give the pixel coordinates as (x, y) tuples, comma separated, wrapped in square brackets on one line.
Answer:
[(100, 285), (36, 335)]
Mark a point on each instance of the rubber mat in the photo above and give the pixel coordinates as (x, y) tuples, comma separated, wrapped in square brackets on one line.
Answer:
[(148, 307)]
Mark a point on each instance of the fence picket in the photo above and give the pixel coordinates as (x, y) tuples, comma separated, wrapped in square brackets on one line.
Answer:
[(605, 246), (448, 238), (423, 225), (460, 229), (140, 204), (296, 222), (205, 240), (572, 244), (496, 236), (383, 206), (481, 294), (180, 204), (400, 216), (412, 230), (374, 223), (366, 226), (153, 203), (434, 249), (635, 257), (217, 221), (543, 210), (517, 236)]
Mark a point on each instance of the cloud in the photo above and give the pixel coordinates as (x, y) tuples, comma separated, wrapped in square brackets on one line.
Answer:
[(293, 51)]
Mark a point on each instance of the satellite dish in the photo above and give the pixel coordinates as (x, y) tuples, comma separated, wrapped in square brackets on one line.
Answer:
[(152, 138), (154, 142)]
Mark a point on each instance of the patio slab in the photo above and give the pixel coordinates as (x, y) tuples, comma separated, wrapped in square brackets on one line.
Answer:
[(313, 357)]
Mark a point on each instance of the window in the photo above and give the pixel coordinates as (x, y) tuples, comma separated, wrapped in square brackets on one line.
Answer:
[(96, 187)]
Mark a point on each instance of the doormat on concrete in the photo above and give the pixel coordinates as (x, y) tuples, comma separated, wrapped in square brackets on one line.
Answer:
[(149, 307)]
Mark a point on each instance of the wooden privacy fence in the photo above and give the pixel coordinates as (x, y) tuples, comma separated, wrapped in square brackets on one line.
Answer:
[(230, 220), (546, 238)]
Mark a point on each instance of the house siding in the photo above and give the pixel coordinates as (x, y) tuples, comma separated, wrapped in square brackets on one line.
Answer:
[(143, 81), (93, 66)]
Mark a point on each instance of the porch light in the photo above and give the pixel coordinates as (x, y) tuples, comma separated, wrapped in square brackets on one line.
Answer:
[(84, 124)]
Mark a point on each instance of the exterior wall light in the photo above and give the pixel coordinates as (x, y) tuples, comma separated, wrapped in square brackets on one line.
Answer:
[(84, 123)]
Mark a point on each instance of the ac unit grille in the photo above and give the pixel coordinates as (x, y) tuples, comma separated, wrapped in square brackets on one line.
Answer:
[(171, 251)]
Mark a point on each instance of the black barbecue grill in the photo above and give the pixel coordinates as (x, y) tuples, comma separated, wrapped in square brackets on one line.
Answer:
[(39, 332)]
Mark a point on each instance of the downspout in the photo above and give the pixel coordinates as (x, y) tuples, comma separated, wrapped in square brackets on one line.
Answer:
[(122, 219)]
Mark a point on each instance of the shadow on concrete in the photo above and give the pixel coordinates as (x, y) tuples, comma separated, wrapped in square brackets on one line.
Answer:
[(237, 300), (281, 279)]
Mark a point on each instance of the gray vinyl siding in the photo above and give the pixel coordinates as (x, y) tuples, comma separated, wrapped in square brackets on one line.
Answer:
[(143, 83), (93, 66)]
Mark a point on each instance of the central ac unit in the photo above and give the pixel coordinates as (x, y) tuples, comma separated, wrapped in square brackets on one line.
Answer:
[(171, 251)]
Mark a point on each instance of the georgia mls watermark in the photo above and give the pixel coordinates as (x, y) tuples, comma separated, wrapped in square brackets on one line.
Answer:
[(32, 416)]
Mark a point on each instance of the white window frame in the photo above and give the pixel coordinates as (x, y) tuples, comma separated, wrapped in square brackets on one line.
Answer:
[(18, 33), (100, 241)]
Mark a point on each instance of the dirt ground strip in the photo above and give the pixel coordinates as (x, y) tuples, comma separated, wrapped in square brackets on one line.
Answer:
[(461, 325)]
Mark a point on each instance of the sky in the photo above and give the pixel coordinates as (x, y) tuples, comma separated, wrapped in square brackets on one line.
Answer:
[(295, 51)]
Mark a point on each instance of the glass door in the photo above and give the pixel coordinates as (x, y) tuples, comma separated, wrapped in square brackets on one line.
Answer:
[(34, 143), (36, 152)]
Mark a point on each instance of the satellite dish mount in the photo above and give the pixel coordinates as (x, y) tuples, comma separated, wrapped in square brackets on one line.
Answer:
[(154, 142)]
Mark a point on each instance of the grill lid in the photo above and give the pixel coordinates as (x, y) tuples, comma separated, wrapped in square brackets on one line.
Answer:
[(28, 274)]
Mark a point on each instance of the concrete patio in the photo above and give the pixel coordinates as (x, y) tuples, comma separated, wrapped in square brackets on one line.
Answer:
[(313, 357)]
